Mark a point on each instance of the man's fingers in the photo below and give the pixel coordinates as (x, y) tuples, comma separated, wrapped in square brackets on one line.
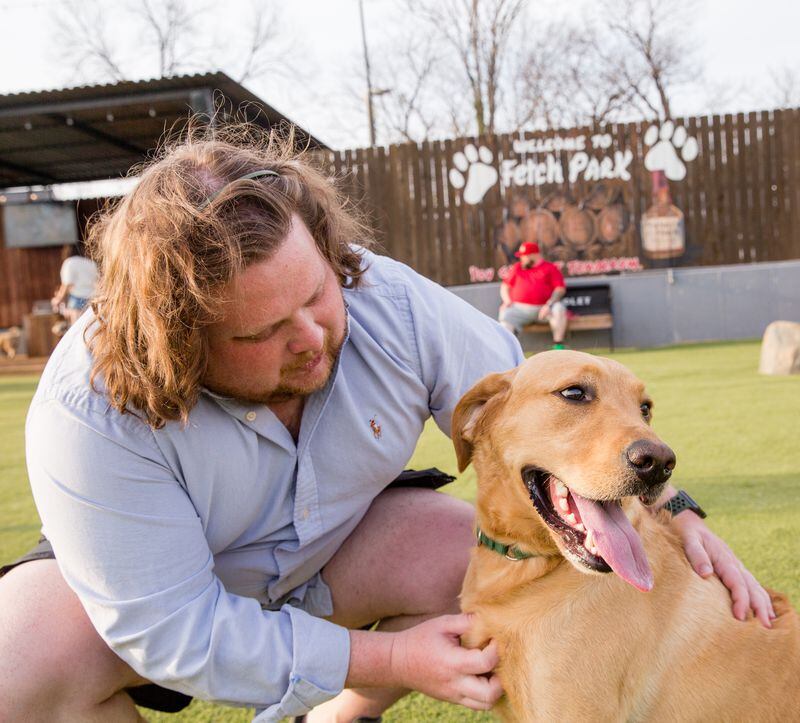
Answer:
[(455, 624), (698, 557), (707, 553), (490, 656), (733, 579), (477, 661), (760, 601), (481, 690), (495, 687), (474, 704)]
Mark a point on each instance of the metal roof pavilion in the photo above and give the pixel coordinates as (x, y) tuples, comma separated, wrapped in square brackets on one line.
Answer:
[(100, 131)]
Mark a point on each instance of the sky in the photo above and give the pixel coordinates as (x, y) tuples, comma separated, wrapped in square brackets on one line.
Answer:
[(739, 42)]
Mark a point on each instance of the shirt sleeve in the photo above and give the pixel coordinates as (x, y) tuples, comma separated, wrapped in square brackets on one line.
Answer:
[(67, 273), (130, 544), (556, 277), (457, 345), (511, 276)]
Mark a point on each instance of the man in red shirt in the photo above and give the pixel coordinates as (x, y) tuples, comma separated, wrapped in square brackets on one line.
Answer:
[(532, 293)]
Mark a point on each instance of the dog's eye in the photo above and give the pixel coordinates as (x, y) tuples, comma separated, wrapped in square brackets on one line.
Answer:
[(575, 394), (646, 408)]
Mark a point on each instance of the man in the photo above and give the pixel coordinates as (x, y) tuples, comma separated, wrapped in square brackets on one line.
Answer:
[(210, 452), (531, 294), (78, 281)]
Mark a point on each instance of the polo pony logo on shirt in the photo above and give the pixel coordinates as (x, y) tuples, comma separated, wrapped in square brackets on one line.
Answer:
[(375, 427)]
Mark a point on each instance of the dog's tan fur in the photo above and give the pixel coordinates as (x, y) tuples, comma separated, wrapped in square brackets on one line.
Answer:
[(9, 341), (591, 647)]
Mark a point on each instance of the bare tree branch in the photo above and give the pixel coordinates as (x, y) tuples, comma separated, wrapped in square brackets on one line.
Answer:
[(83, 41), (660, 50), (168, 26), (478, 34), (168, 39), (405, 108), (268, 46), (785, 87)]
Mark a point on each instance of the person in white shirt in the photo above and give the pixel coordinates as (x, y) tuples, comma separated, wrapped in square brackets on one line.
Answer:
[(78, 282)]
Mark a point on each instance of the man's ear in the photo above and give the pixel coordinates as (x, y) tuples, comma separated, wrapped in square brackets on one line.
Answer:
[(474, 408)]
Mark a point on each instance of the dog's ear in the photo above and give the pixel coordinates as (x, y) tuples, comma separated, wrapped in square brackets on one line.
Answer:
[(474, 408)]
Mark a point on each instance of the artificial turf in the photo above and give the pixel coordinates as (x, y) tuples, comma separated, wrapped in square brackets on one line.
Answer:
[(735, 434)]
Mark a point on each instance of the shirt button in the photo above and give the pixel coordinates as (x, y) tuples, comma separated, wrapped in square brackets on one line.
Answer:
[(305, 513), (250, 416)]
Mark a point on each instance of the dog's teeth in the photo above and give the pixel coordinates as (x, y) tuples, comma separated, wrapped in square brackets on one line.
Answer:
[(595, 551), (563, 504), (571, 519), (580, 527), (561, 489), (587, 543)]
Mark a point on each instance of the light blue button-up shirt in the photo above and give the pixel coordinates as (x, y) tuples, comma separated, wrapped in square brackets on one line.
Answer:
[(196, 550)]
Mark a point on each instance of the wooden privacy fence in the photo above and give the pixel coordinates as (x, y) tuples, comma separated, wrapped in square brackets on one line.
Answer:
[(696, 191)]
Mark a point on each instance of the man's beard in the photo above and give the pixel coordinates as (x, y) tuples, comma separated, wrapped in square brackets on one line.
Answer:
[(286, 390)]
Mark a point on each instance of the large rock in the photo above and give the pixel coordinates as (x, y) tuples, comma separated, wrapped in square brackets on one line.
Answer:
[(780, 348)]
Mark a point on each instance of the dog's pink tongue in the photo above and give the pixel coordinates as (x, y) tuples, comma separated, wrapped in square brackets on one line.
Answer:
[(617, 541)]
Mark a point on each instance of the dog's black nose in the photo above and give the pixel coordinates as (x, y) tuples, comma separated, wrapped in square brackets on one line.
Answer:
[(653, 462)]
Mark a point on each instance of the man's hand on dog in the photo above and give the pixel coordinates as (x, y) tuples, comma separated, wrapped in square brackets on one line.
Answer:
[(708, 554), (429, 658)]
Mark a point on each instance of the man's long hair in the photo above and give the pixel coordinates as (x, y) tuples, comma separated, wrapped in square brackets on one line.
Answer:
[(168, 250)]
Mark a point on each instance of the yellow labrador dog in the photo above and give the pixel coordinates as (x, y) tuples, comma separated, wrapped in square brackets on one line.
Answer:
[(597, 614)]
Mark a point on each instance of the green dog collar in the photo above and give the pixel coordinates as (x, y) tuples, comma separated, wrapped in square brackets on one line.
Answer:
[(510, 552)]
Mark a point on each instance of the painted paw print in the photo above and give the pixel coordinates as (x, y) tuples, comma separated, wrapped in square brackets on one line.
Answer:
[(480, 174), (665, 143)]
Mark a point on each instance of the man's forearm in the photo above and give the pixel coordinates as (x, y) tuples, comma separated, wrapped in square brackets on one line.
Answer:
[(371, 660), (504, 293), (557, 295)]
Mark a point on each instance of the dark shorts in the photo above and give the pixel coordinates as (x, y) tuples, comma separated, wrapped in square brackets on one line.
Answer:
[(171, 701)]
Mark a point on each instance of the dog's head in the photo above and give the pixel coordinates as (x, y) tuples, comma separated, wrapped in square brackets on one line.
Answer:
[(562, 446)]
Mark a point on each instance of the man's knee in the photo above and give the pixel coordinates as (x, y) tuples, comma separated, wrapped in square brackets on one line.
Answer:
[(408, 556), (443, 532), (50, 655), (510, 327)]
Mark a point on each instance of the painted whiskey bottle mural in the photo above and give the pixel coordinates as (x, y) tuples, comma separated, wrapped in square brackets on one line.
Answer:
[(663, 229)]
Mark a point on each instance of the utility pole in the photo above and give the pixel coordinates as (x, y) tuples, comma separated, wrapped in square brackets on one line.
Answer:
[(370, 113)]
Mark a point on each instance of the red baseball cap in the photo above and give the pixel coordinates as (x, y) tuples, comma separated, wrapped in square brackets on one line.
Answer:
[(529, 247)]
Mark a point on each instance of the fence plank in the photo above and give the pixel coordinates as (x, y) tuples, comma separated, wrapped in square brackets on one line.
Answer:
[(794, 170), (731, 188), (769, 191), (419, 256), (779, 180), (744, 187)]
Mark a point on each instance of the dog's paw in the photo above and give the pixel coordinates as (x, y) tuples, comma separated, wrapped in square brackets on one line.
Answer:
[(480, 174), (665, 144)]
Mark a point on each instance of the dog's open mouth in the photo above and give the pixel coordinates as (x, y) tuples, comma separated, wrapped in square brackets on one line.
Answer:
[(596, 533)]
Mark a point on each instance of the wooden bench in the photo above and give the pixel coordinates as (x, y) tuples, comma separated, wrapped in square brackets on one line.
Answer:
[(589, 308)]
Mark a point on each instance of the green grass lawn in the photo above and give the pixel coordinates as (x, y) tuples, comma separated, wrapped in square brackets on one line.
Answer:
[(735, 434)]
